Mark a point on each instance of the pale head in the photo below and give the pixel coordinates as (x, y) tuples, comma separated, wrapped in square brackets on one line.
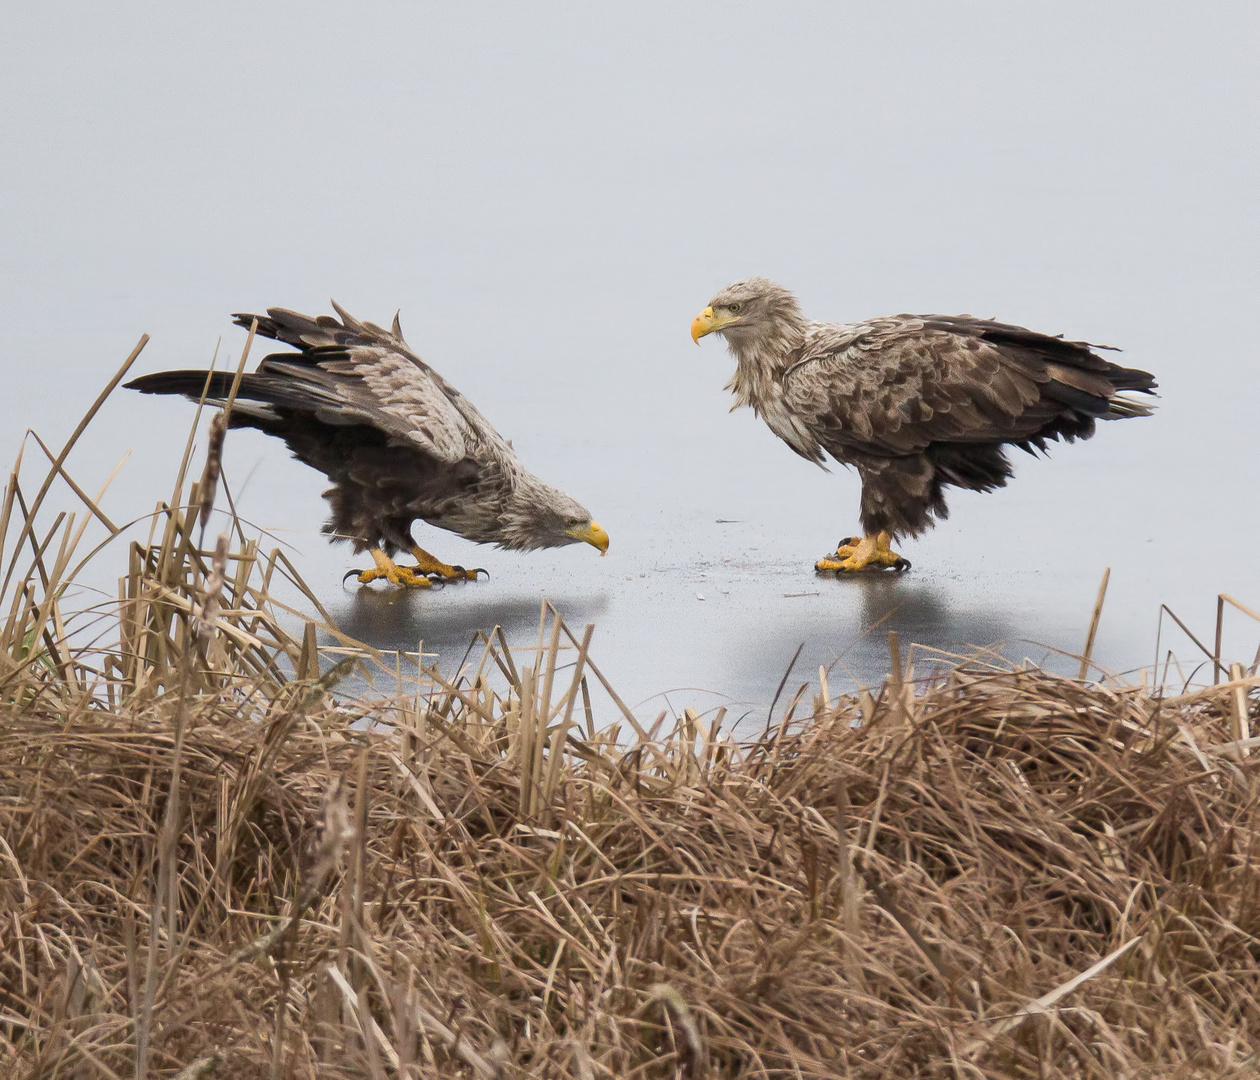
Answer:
[(538, 515), (748, 311)]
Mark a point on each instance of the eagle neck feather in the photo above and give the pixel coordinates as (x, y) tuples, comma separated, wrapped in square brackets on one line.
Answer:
[(761, 361)]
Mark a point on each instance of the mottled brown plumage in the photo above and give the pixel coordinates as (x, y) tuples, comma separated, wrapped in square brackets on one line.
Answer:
[(916, 403), (397, 440)]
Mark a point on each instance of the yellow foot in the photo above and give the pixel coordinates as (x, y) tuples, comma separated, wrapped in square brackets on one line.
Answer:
[(388, 570), (440, 571), (862, 553)]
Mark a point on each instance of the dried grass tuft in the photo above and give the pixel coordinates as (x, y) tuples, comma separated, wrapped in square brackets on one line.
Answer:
[(216, 862)]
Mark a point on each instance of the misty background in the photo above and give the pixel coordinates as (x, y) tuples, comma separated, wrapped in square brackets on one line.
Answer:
[(549, 193)]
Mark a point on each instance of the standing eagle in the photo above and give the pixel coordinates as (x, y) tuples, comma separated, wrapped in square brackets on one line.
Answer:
[(397, 441), (916, 403)]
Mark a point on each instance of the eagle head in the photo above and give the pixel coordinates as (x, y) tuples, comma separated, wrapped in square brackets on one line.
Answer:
[(536, 515), (748, 311)]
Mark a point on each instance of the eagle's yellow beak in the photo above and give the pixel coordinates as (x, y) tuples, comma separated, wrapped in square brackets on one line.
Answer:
[(706, 322), (591, 534)]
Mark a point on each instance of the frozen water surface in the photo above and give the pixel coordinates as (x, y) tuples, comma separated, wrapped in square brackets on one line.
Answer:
[(550, 193)]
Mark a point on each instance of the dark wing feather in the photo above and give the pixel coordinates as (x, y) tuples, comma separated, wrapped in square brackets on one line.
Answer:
[(346, 373), (894, 386)]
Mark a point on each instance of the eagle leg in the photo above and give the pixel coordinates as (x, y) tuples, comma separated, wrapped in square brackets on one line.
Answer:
[(427, 564), (861, 553), (390, 571)]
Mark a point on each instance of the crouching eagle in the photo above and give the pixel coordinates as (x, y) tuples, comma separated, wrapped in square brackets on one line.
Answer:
[(916, 403), (398, 442)]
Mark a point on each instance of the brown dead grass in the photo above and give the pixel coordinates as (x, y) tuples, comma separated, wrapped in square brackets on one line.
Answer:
[(214, 860)]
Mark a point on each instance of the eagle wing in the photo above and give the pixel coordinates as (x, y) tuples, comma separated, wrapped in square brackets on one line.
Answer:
[(353, 372), (893, 386)]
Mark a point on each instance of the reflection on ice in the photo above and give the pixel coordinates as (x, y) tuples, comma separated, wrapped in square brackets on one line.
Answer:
[(396, 619)]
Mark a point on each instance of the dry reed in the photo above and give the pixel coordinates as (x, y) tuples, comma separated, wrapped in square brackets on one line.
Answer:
[(216, 862)]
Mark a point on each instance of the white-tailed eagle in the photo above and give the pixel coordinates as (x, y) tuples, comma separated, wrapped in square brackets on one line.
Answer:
[(398, 442), (916, 403)]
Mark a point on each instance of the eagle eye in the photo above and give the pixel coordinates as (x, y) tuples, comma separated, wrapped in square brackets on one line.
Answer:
[(734, 308)]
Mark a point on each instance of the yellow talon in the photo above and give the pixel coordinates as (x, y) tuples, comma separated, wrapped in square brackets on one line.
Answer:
[(388, 570), (429, 564), (867, 552)]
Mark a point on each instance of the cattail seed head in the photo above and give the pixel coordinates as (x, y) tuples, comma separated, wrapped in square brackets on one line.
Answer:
[(214, 466), (206, 612)]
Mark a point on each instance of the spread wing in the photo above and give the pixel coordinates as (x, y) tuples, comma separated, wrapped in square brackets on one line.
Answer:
[(892, 386), (352, 372)]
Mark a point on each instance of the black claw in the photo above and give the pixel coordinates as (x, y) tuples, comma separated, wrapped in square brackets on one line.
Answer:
[(349, 574), (846, 542), (460, 574), (901, 565)]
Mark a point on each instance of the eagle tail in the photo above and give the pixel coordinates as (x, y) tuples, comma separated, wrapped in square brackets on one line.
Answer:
[(1121, 408)]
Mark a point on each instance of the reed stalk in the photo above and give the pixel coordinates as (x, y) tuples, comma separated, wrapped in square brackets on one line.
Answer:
[(222, 858)]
